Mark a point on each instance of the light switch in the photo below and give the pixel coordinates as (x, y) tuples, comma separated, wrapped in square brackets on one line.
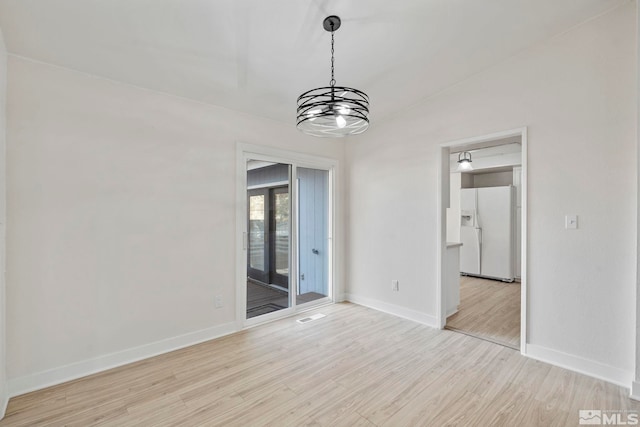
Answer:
[(571, 222)]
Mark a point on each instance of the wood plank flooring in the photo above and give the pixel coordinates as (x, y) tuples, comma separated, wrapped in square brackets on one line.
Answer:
[(354, 367), (489, 309)]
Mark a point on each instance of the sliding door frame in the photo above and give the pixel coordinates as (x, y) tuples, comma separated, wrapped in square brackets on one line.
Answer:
[(244, 153)]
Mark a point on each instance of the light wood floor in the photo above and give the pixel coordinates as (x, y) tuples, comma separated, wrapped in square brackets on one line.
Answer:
[(354, 367), (489, 309)]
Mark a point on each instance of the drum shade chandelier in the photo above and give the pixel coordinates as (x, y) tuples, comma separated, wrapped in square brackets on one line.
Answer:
[(333, 111)]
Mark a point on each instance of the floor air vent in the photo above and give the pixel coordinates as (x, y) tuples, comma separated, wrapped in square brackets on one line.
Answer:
[(311, 318)]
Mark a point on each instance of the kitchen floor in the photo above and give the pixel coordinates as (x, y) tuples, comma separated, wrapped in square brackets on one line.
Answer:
[(489, 309)]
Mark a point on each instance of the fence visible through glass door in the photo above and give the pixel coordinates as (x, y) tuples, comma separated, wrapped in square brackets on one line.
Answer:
[(313, 235)]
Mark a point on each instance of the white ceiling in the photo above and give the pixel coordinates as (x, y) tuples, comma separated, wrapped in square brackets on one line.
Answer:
[(257, 56)]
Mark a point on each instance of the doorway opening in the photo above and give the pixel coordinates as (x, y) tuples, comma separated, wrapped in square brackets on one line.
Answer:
[(483, 238), (286, 219)]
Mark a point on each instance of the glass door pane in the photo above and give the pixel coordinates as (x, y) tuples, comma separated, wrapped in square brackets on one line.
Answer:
[(257, 253), (268, 213), (281, 210), (313, 235)]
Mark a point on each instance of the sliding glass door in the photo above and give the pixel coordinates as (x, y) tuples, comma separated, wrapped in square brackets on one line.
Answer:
[(288, 244), (268, 231), (268, 257), (280, 236)]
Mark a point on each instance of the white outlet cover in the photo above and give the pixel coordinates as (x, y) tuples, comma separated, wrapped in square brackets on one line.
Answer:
[(571, 222)]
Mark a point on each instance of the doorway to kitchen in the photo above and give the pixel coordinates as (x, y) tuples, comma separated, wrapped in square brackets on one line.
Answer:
[(286, 223), (483, 238)]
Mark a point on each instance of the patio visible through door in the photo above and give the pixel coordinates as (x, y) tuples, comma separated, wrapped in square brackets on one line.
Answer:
[(288, 233)]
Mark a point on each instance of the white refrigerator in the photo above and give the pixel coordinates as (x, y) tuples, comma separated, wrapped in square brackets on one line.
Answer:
[(487, 232)]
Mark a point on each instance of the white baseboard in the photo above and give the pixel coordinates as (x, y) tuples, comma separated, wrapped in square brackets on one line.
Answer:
[(3, 406), (635, 390), (396, 310), (579, 364), (50, 377)]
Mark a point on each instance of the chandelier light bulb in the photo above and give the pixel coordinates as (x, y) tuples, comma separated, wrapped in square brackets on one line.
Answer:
[(465, 166)]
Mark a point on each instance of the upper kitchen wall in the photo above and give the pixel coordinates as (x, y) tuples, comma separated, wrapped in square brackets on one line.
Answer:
[(576, 93)]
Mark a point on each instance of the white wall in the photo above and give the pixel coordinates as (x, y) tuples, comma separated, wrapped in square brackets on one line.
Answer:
[(122, 211), (466, 180), (453, 211), (3, 221), (577, 94), (635, 390), (494, 179)]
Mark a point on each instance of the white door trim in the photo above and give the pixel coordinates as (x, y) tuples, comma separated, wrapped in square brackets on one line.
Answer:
[(443, 203), (245, 152)]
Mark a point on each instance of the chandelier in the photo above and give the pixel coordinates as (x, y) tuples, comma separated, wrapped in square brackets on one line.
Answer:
[(333, 111)]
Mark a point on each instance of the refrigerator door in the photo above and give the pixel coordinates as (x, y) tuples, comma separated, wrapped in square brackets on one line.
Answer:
[(495, 218), (468, 207), (470, 250), (469, 234)]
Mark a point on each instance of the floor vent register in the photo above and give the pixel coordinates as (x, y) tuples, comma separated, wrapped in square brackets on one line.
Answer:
[(311, 318)]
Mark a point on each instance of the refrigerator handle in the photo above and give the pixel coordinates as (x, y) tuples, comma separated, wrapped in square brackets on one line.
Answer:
[(479, 234)]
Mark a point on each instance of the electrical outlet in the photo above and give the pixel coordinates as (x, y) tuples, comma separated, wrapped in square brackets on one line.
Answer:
[(571, 222), (218, 301), (395, 285)]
